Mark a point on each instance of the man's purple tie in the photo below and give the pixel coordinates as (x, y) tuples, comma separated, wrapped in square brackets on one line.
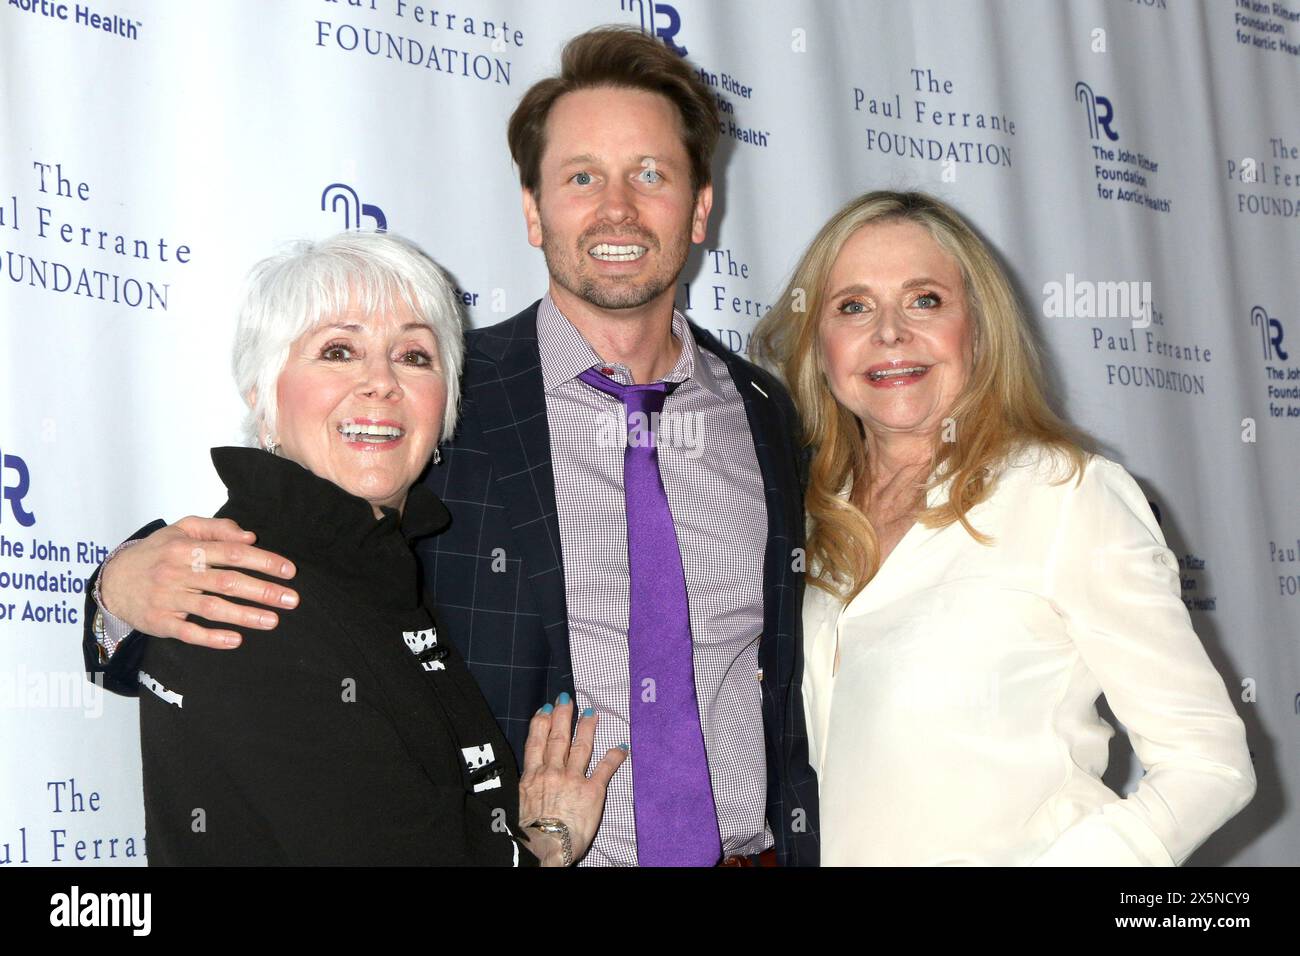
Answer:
[(676, 820)]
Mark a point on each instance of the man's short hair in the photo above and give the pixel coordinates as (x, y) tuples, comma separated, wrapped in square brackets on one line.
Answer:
[(622, 58)]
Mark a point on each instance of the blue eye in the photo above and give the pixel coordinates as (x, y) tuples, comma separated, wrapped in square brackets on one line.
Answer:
[(650, 175), (930, 297), (583, 179), (853, 307)]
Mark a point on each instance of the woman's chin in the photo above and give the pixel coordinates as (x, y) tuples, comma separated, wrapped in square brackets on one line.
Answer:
[(903, 424), (381, 493)]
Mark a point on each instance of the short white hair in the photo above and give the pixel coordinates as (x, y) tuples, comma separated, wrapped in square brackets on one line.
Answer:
[(294, 291)]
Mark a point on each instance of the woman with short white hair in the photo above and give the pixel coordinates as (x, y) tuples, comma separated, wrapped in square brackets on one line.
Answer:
[(354, 734)]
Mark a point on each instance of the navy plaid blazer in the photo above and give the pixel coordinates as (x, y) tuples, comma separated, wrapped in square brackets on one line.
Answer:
[(496, 576)]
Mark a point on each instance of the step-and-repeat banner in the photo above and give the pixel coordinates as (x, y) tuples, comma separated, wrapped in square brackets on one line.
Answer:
[(1135, 162)]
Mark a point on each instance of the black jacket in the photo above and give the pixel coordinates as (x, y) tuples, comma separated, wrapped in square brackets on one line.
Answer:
[(352, 734)]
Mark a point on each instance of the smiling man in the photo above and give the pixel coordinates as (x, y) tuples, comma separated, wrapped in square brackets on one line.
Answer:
[(658, 584), (615, 228)]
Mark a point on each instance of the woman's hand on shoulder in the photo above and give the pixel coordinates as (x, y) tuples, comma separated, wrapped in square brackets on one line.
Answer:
[(555, 784)]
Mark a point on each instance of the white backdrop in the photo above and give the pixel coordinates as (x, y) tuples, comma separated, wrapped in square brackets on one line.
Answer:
[(151, 150)]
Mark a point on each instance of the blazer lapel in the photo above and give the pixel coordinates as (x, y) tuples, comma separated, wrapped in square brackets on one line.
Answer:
[(775, 446), (504, 381)]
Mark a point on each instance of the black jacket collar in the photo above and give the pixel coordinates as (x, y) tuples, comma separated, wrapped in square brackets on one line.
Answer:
[(309, 518)]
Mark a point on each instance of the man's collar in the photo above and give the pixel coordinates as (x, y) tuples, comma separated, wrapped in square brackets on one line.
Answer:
[(565, 353)]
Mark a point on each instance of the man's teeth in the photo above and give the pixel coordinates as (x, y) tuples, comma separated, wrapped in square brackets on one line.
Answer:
[(612, 253), (895, 372), (370, 433)]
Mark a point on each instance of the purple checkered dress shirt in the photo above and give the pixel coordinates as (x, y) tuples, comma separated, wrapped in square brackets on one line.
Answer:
[(715, 492)]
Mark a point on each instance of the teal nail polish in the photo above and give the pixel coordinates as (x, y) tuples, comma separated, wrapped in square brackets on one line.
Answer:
[(588, 712), (546, 709), (624, 747), (562, 699)]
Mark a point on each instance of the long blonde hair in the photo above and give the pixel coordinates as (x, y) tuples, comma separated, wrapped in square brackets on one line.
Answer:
[(1001, 407)]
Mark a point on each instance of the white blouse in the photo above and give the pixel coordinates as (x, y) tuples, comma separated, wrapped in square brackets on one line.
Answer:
[(961, 727)]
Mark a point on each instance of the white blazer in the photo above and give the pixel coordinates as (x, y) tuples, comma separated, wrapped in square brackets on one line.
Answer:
[(961, 727)]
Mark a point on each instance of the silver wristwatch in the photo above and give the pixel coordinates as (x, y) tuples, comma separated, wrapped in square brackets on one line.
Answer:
[(557, 828)]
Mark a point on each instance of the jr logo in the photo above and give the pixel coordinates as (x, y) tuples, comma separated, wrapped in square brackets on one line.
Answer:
[(342, 197), (1270, 334), (15, 489), (1100, 112), (657, 19)]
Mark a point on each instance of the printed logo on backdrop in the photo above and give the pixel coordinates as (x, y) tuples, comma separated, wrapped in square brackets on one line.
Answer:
[(729, 294), (1267, 180), (78, 835), (42, 586), (1123, 175), (37, 576), (1191, 574), (938, 124), (1268, 27), (15, 482), (341, 202), (664, 21), (658, 19), (1129, 344), (36, 572), (84, 15), (1284, 555), (1100, 112), (57, 238), (438, 40), (1281, 374), (342, 199)]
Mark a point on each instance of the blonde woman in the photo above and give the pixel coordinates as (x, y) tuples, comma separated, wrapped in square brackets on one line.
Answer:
[(977, 579)]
